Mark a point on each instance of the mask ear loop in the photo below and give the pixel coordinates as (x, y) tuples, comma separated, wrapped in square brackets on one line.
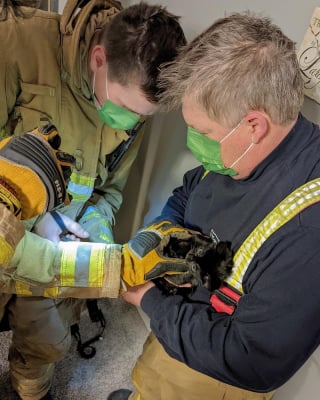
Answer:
[(107, 87), (231, 132), (96, 101), (238, 159), (248, 149)]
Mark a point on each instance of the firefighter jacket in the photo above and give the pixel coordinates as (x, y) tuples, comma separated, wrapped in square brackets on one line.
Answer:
[(67, 269), (44, 79)]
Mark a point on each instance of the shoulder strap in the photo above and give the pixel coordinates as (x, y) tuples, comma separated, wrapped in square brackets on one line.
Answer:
[(303, 197)]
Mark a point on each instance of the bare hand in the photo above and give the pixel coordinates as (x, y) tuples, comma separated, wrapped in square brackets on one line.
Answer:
[(134, 294), (49, 228)]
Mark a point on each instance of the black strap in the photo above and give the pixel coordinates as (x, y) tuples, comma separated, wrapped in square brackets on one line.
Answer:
[(85, 349), (113, 159), (59, 221)]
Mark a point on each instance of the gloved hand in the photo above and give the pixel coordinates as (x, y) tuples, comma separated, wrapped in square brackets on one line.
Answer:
[(54, 224), (37, 181), (144, 256), (97, 225)]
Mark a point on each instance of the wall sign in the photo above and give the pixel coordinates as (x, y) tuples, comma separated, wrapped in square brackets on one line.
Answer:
[(309, 58)]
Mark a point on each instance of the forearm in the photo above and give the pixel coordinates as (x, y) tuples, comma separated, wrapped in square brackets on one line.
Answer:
[(193, 333), (254, 349), (69, 269)]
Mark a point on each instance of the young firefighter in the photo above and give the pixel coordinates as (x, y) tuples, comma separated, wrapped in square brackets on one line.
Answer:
[(31, 188), (92, 73)]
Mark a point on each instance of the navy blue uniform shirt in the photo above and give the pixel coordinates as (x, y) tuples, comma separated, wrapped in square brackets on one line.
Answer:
[(276, 325)]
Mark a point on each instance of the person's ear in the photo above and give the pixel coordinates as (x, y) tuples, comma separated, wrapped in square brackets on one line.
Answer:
[(259, 125), (98, 57)]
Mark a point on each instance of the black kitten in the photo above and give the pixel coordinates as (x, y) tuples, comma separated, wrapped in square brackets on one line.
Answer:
[(209, 264)]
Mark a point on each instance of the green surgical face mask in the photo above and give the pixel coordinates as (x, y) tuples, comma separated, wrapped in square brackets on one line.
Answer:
[(115, 116), (208, 151)]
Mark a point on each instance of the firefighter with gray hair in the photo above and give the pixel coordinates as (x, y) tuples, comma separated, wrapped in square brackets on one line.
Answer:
[(257, 186)]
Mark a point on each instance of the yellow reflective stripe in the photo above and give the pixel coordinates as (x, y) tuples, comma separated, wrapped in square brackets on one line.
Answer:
[(68, 263), (85, 260), (205, 174), (97, 261), (51, 292), (80, 186), (23, 288), (293, 204), (6, 252), (82, 179)]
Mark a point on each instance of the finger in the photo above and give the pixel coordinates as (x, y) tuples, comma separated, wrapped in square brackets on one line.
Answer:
[(183, 285), (166, 268), (74, 227), (55, 238), (72, 238)]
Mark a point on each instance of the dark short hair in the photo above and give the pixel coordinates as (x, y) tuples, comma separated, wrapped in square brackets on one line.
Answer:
[(138, 40)]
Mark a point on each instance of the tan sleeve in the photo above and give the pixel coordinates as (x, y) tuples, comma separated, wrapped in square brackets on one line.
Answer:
[(68, 269)]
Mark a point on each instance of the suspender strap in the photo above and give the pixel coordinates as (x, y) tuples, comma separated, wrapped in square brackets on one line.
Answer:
[(226, 298), (303, 197)]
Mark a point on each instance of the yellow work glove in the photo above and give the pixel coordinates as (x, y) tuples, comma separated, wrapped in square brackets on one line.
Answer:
[(29, 165), (144, 256)]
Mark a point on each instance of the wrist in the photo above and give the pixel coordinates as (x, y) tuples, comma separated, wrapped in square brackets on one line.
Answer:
[(150, 299)]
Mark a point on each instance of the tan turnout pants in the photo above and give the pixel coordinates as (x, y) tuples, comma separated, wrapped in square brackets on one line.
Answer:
[(157, 376), (40, 337)]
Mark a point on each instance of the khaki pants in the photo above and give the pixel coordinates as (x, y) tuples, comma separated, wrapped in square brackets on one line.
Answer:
[(40, 337), (157, 376)]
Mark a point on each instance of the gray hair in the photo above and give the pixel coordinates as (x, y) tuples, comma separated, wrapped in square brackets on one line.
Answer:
[(240, 63)]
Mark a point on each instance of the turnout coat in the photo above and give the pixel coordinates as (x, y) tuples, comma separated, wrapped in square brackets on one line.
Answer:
[(44, 80)]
